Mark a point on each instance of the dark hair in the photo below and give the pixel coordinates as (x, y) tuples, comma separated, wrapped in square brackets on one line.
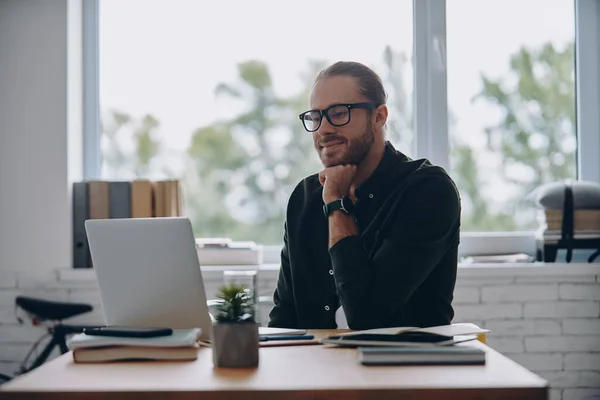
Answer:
[(369, 83)]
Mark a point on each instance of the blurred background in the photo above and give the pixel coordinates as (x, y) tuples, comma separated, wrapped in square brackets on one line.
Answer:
[(209, 93)]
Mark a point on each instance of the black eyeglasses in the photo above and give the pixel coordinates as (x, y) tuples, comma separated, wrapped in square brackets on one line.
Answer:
[(337, 115)]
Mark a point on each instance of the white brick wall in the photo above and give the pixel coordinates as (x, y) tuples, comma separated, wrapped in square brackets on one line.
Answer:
[(488, 311), (562, 343), (561, 309), (13, 333), (8, 279), (555, 394), (582, 361), (524, 327), (507, 344), (572, 291), (581, 394), (547, 320), (539, 362), (572, 379), (467, 295), (518, 292), (581, 326), (560, 278)]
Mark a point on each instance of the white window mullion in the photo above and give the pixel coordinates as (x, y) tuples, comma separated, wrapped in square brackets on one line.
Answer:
[(587, 64), (91, 90), (430, 82)]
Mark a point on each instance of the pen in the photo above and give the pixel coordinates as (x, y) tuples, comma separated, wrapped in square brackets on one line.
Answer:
[(284, 337)]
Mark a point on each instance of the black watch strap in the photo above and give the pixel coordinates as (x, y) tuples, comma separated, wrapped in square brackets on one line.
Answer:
[(344, 204)]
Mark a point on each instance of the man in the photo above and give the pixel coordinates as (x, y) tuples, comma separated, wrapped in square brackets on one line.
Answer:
[(374, 232)]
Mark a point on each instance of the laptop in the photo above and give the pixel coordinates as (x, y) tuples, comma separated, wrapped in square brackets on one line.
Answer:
[(149, 274)]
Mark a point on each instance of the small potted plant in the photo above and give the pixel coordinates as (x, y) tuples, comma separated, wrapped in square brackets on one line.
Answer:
[(235, 338)]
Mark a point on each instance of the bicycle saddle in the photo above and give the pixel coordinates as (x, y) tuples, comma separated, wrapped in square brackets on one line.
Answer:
[(52, 310)]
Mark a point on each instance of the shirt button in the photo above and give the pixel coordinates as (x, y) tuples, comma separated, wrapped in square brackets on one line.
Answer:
[(370, 195), (330, 272), (326, 308)]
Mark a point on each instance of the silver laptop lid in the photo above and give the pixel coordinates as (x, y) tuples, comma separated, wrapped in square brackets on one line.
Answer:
[(148, 273)]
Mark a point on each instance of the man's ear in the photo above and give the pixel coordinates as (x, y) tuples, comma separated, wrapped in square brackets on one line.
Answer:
[(379, 117)]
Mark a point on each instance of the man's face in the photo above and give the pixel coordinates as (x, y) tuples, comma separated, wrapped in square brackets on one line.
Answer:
[(347, 144)]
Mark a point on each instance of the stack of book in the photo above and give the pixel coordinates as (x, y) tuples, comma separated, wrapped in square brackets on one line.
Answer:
[(583, 220), (181, 345), (549, 236), (96, 199), (437, 345), (224, 251)]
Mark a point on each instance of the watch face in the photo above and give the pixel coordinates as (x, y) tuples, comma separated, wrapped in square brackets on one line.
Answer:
[(347, 204), (344, 204)]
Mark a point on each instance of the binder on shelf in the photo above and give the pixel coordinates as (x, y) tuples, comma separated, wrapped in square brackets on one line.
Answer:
[(81, 251), (99, 199), (167, 198), (120, 199), (142, 199)]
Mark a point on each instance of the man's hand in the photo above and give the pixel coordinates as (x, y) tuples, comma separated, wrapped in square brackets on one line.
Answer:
[(336, 181)]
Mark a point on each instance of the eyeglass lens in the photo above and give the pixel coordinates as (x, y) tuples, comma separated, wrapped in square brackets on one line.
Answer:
[(338, 116)]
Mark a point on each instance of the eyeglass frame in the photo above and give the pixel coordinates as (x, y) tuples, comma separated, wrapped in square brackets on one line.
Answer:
[(367, 105)]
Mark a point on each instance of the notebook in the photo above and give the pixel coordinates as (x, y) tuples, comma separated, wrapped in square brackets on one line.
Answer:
[(442, 335), (442, 355), (465, 328), (126, 353), (179, 338), (270, 331), (407, 339)]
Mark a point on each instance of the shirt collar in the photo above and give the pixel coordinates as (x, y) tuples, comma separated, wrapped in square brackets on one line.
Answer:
[(379, 179)]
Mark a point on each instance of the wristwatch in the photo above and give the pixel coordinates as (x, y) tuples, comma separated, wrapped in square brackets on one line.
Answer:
[(344, 204)]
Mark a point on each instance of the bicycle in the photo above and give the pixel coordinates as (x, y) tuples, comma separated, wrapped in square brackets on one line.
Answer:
[(53, 313)]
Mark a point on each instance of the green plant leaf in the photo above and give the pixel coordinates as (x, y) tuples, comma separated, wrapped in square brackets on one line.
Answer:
[(237, 304)]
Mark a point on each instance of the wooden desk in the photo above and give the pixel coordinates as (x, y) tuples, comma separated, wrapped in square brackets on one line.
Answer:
[(298, 372)]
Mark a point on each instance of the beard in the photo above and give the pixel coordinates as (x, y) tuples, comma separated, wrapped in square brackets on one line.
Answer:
[(353, 151)]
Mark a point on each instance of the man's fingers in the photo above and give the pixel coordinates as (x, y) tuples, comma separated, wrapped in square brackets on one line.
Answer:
[(322, 177)]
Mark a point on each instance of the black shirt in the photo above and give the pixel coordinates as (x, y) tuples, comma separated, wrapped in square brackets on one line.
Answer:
[(399, 271)]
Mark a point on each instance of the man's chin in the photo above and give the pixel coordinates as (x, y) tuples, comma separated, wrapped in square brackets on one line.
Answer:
[(332, 159), (329, 161)]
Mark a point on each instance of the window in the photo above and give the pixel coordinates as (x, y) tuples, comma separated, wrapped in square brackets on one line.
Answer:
[(503, 94), (192, 90), (511, 100)]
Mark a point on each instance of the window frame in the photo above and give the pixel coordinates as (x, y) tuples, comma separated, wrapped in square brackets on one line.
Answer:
[(92, 160), (587, 86), (430, 106), (430, 93)]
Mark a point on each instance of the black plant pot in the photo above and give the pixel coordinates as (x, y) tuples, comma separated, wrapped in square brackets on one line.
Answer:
[(235, 344)]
